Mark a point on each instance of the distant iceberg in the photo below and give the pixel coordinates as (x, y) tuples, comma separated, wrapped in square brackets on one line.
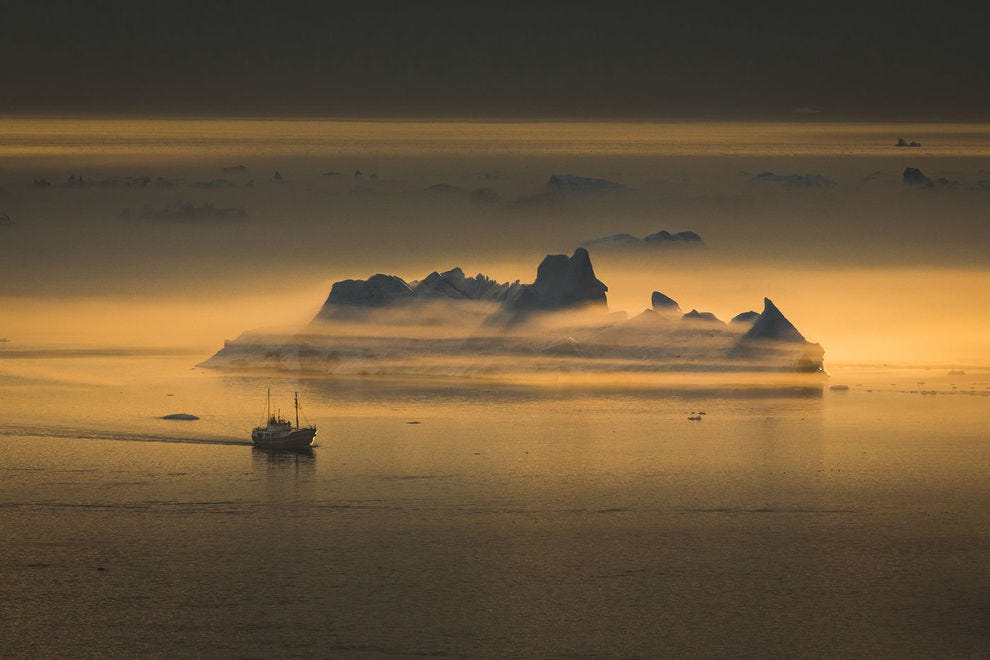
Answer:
[(659, 239), (912, 176)]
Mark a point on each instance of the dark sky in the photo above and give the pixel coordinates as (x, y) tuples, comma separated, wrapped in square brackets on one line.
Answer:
[(711, 59)]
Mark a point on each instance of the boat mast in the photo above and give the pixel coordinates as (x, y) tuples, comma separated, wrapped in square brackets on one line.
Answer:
[(269, 415), (297, 409)]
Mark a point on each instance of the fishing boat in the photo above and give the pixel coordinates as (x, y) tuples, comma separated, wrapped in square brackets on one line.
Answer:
[(279, 433)]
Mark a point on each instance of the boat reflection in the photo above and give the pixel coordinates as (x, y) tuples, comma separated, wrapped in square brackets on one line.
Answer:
[(283, 457)]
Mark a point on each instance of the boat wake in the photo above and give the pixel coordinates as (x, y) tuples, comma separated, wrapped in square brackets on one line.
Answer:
[(72, 433)]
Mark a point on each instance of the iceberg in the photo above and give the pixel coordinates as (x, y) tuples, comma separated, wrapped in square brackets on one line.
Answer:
[(453, 325)]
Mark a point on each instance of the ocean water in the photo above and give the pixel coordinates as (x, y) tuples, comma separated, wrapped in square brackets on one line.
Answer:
[(565, 516), (489, 518)]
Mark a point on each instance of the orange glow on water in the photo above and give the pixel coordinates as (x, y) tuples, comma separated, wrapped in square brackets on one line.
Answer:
[(177, 139)]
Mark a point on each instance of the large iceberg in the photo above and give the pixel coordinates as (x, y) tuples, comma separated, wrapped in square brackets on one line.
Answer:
[(451, 324)]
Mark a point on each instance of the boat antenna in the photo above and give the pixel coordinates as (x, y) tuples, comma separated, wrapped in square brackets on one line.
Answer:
[(297, 409)]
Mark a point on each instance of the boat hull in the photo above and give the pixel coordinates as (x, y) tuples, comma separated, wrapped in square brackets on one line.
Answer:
[(294, 439)]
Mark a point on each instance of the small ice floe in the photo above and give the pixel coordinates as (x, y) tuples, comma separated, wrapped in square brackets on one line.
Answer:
[(957, 372), (181, 416), (901, 142)]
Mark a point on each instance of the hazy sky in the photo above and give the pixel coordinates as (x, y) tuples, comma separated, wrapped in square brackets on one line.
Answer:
[(888, 60)]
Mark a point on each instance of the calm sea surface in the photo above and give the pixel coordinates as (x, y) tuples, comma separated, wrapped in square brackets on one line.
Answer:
[(481, 518)]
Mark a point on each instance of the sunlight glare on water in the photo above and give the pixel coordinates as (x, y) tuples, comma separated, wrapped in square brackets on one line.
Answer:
[(169, 139)]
